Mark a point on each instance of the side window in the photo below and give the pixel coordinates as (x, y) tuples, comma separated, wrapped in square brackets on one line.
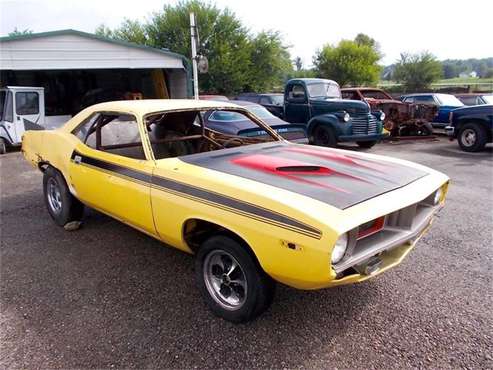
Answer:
[(265, 101), (9, 109), (425, 99), (409, 99), (26, 103), (350, 95), (296, 93), (113, 133), (83, 129)]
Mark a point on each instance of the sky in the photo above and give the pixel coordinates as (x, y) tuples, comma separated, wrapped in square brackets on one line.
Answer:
[(449, 29)]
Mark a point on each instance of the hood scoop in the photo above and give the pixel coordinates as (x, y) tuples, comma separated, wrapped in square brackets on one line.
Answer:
[(306, 169)]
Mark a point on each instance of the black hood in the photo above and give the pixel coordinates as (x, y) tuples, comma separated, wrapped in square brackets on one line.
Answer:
[(338, 178)]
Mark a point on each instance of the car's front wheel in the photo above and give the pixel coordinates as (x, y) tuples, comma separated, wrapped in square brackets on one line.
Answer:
[(324, 136), (472, 137), (62, 206), (230, 280)]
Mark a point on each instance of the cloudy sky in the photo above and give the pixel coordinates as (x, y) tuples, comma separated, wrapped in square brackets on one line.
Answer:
[(450, 29)]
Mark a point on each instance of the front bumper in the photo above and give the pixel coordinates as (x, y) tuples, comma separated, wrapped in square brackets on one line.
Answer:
[(450, 131), (374, 137)]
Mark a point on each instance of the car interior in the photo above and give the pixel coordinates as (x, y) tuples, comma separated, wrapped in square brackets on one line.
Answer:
[(171, 134)]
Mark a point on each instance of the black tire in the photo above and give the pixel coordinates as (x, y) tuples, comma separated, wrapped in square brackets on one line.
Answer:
[(3, 146), (324, 136), (215, 260), (366, 144), (472, 137), (62, 206)]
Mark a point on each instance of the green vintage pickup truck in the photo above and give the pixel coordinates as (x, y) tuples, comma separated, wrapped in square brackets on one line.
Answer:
[(329, 119)]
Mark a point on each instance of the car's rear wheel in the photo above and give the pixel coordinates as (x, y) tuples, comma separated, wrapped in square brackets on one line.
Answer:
[(3, 146), (324, 136), (62, 206), (472, 137), (366, 144), (230, 280)]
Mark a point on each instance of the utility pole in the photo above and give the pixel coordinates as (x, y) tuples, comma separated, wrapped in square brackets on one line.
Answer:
[(193, 33)]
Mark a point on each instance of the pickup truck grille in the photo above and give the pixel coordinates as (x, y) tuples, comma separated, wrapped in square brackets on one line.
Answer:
[(364, 124)]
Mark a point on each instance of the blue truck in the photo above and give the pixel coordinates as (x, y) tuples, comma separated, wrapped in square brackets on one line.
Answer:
[(329, 119), (471, 126)]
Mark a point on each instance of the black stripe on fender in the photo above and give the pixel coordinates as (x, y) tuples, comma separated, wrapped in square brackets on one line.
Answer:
[(204, 196)]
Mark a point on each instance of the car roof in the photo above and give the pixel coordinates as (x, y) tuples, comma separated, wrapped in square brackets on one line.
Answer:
[(312, 80), (361, 88), (147, 106)]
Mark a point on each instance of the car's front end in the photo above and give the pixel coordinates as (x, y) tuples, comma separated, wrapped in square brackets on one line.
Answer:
[(323, 217)]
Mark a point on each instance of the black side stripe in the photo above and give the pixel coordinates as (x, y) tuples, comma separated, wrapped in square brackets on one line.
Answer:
[(202, 195)]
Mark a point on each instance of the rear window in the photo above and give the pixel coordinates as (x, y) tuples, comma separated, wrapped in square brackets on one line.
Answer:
[(26, 103)]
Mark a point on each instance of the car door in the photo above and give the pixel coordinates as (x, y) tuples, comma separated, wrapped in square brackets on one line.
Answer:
[(109, 169), (297, 108), (29, 111)]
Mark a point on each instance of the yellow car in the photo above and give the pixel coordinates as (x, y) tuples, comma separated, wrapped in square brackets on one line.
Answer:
[(254, 210)]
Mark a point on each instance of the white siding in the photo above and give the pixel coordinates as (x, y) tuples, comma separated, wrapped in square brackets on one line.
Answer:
[(78, 52)]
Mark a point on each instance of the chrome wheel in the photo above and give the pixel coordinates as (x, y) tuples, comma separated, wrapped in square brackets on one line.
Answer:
[(225, 280), (468, 137), (54, 195)]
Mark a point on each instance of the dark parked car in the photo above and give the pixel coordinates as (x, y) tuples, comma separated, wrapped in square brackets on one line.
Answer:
[(475, 99), (401, 119), (472, 127), (329, 119), (273, 102), (233, 123), (445, 102)]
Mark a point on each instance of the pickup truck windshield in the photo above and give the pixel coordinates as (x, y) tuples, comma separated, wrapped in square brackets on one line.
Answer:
[(324, 90)]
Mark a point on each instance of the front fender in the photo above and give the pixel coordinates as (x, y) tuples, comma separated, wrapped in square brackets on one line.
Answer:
[(330, 120)]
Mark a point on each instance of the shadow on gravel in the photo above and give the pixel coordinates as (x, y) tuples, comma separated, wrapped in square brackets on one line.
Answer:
[(107, 295)]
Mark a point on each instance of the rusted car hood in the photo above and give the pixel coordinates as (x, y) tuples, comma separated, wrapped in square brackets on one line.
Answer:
[(338, 178)]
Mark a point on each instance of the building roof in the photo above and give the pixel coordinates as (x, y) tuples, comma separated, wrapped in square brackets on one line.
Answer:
[(71, 49)]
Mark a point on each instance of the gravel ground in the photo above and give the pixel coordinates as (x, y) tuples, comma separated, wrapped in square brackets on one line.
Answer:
[(107, 296)]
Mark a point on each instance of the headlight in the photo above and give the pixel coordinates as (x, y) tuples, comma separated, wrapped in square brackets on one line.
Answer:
[(382, 116), (438, 196), (339, 248), (346, 117)]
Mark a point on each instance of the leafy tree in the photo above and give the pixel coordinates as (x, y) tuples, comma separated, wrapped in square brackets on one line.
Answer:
[(17, 32), (237, 60), (417, 71), (349, 63), (362, 39)]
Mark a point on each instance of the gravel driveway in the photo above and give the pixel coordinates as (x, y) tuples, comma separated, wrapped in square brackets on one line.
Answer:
[(107, 296)]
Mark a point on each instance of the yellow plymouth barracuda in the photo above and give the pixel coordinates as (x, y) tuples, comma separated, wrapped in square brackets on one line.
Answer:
[(254, 210)]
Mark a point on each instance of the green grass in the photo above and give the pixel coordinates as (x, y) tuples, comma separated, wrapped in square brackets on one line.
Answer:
[(466, 81)]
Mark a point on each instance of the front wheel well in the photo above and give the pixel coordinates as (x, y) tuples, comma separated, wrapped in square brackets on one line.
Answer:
[(197, 231), (478, 122)]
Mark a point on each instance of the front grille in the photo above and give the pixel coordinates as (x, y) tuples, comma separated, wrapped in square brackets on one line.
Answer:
[(400, 227), (364, 124)]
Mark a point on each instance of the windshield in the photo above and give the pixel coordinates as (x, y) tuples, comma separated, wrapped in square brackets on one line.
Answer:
[(2, 103), (449, 100), (260, 112), (324, 89), (488, 99)]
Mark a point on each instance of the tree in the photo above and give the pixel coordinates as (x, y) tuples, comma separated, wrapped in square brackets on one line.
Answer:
[(348, 63), (298, 63), (417, 71), (237, 59), (17, 32), (362, 39)]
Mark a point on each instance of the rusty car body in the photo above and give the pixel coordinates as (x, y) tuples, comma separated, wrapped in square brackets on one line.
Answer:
[(401, 119)]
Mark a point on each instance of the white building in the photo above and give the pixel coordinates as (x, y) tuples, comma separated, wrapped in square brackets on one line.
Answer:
[(78, 69)]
